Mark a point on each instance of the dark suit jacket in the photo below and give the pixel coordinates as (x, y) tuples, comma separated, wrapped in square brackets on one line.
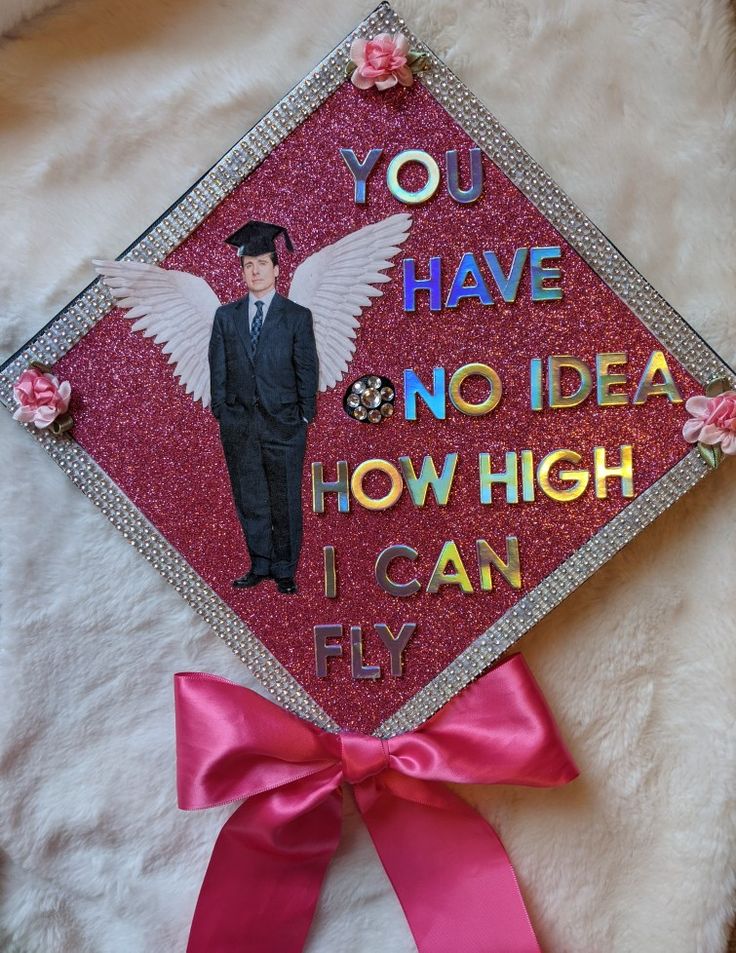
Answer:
[(283, 373)]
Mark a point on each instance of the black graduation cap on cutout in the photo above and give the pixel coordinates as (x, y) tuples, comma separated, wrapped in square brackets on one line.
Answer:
[(258, 238)]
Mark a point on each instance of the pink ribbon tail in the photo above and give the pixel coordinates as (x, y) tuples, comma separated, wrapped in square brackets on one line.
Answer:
[(447, 865), (450, 872), (263, 880)]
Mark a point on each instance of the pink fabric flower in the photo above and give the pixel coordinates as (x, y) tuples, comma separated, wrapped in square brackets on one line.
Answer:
[(714, 421), (381, 61), (41, 398)]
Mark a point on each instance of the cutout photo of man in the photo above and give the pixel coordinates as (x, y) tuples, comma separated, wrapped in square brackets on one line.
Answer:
[(264, 375)]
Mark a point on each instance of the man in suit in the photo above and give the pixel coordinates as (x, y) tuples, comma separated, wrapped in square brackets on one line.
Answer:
[(264, 373)]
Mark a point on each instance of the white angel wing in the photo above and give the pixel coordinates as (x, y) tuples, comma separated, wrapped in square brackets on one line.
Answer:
[(337, 283), (175, 308)]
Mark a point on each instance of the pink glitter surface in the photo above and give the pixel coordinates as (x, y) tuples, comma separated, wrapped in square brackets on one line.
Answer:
[(164, 451)]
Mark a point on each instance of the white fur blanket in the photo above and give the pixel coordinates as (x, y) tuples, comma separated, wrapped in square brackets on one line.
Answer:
[(110, 110), (15, 12)]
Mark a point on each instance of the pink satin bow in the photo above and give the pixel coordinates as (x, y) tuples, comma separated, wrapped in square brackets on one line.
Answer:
[(449, 869)]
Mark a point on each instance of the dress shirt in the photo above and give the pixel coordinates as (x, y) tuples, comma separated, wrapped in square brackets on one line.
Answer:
[(266, 299)]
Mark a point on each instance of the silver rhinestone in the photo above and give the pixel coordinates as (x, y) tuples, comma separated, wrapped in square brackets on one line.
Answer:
[(370, 397)]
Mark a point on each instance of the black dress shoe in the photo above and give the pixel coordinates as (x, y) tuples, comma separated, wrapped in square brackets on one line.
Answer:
[(286, 585), (249, 579)]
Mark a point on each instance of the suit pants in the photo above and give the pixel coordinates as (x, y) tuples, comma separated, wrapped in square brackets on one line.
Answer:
[(264, 460)]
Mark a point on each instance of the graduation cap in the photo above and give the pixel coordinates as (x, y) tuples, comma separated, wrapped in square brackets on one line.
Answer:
[(257, 238)]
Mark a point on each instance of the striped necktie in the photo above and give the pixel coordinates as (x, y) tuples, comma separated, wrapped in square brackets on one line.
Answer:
[(255, 328)]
